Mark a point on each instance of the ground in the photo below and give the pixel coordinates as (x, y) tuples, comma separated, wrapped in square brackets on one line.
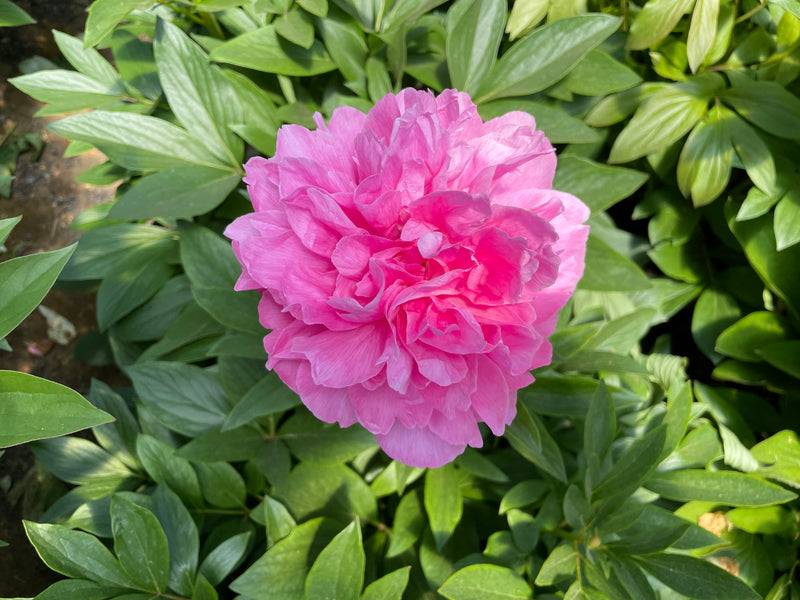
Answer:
[(46, 196)]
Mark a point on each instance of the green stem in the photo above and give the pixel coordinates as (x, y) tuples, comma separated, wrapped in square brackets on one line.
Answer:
[(750, 13), (179, 9), (211, 23)]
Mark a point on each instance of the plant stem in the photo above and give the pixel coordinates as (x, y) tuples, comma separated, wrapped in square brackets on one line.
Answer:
[(750, 13)]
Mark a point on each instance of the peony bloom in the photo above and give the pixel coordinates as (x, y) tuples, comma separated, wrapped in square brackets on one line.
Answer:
[(411, 262)]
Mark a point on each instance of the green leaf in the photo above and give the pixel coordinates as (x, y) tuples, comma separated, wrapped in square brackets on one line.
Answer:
[(743, 339), (269, 396), (780, 454), (736, 454), (315, 7), (104, 16), (598, 433), (12, 16), (313, 441), (182, 538), (557, 125), (76, 554), (696, 578), (79, 461), (153, 319), (633, 467), (409, 523), (32, 408), (182, 397), (485, 582), (333, 490), (787, 220), (559, 565), (345, 43), (338, 571), (137, 142), (234, 445), (140, 544), (443, 502), (388, 587), (665, 116), (714, 312), (180, 193), (132, 284), (472, 42), (278, 520), (599, 186), (609, 271), (617, 107), (221, 484), (222, 560), (529, 436), (68, 91), (6, 225), (161, 463), (783, 356), (523, 494), (544, 57), (753, 154), (702, 31), (657, 19), (100, 250), (281, 571), (295, 26), (656, 539), (263, 50), (24, 281), (378, 81), (768, 520), (793, 6), (86, 60), (77, 588), (723, 487), (597, 74), (767, 105), (704, 166)]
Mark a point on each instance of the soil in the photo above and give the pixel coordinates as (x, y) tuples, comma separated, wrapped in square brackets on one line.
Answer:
[(46, 196)]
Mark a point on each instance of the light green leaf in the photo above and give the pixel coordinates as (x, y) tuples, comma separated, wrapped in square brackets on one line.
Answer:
[(315, 7), (768, 520), (32, 408), (767, 105), (12, 16), (696, 578), (76, 554), (81, 462), (346, 45), (617, 107), (295, 26), (473, 41), (597, 74), (338, 571), (24, 281), (485, 582), (278, 520), (136, 142), (753, 153), (704, 166), (783, 356), (757, 203), (86, 60), (657, 19), (780, 455), (443, 502), (544, 57), (559, 565), (787, 220), (664, 117), (223, 559), (182, 397), (104, 16), (281, 571), (388, 587), (76, 588), (599, 186), (736, 454), (702, 31), (793, 6), (525, 15), (263, 50), (743, 339), (723, 487), (239, 444), (523, 494), (141, 544), (609, 271)]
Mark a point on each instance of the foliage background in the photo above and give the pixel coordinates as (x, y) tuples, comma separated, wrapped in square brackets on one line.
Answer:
[(656, 456)]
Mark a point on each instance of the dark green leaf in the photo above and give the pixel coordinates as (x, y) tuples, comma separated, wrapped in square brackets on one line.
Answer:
[(32, 409), (598, 432), (140, 544), (233, 445), (346, 45), (79, 461), (753, 154), (295, 26), (529, 436), (544, 57), (743, 339), (130, 285), (558, 126), (24, 281), (766, 104), (558, 566), (278, 520), (221, 484), (269, 396), (597, 74), (485, 582), (152, 320), (607, 270), (409, 522), (12, 16), (338, 571), (714, 312), (696, 578), (724, 487), (783, 356), (388, 587), (78, 588), (223, 559), (182, 538), (523, 494), (161, 463), (599, 186), (443, 502), (263, 50), (313, 441)]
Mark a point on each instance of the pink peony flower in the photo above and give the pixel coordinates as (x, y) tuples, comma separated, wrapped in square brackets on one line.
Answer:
[(411, 262)]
